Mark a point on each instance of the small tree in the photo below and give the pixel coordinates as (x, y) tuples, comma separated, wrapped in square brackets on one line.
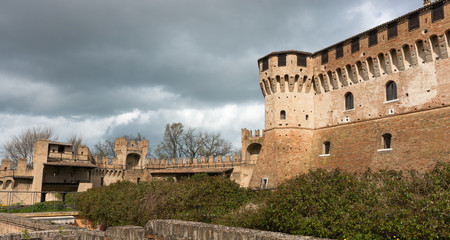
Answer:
[(170, 147), (21, 146), (76, 141)]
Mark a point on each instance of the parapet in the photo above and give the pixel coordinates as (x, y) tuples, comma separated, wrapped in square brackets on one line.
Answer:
[(245, 133), (203, 161)]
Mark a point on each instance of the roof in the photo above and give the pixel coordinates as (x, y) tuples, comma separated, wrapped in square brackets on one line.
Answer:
[(190, 170), (71, 164)]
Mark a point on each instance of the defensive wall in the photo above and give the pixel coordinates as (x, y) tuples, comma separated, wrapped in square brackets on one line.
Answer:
[(154, 229), (376, 100)]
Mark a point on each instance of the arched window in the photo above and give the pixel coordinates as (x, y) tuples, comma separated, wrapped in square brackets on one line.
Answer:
[(387, 140), (348, 101), (391, 91), (283, 115)]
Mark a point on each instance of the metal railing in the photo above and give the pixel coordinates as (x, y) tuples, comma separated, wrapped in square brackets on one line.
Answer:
[(28, 201)]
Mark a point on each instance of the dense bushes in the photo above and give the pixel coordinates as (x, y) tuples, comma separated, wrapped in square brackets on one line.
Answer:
[(332, 204), (368, 206), (200, 198)]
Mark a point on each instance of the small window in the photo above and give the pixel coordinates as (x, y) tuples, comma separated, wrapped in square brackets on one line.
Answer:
[(373, 38), (386, 138), (326, 147), (264, 183), (265, 64), (138, 180), (281, 60), (349, 101), (437, 12), (307, 117), (392, 30), (325, 57), (301, 60), (355, 45), (101, 181), (283, 115), (339, 51), (60, 149), (391, 91), (413, 21)]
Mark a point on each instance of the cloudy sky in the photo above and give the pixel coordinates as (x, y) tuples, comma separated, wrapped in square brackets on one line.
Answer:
[(105, 68)]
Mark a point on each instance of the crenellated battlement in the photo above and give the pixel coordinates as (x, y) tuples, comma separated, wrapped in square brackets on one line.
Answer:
[(409, 41)]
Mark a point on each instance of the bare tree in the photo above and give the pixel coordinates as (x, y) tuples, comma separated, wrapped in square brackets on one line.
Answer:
[(170, 147), (192, 143), (107, 147), (21, 146), (76, 141), (215, 145)]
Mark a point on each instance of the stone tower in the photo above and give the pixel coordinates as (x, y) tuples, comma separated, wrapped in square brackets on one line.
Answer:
[(287, 83)]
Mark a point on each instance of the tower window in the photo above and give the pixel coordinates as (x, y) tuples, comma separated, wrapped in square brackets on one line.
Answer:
[(437, 12), (392, 30), (391, 91), (283, 115), (373, 38), (325, 57), (339, 51), (386, 138), (60, 149), (413, 21), (326, 147), (265, 64), (355, 45), (349, 101), (301, 60), (264, 183), (281, 60)]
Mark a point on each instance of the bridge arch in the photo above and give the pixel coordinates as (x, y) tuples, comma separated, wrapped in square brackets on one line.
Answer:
[(252, 152), (132, 160)]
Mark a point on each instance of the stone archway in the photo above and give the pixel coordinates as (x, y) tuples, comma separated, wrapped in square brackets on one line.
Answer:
[(132, 161), (252, 152)]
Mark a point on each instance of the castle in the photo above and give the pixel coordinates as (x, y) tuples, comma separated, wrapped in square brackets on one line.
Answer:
[(377, 100)]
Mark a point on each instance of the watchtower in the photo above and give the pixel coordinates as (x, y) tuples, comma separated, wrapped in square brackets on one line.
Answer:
[(287, 83)]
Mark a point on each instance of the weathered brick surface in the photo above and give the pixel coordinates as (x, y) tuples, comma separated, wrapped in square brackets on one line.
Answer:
[(312, 99)]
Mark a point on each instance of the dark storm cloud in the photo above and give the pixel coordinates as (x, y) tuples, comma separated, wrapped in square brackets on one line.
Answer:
[(81, 55)]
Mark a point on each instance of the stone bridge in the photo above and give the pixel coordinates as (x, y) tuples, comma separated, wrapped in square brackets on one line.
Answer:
[(154, 229)]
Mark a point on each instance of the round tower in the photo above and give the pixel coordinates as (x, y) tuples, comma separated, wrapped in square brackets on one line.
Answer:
[(286, 81)]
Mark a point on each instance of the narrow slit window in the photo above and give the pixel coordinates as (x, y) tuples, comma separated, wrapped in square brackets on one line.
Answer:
[(413, 21), (283, 115), (355, 45), (392, 30), (301, 60), (391, 91), (386, 138), (437, 12), (265, 64), (373, 38), (281, 60), (325, 57), (349, 101), (339, 51), (326, 147)]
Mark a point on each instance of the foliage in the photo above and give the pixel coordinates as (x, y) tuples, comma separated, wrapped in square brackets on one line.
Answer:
[(321, 203), (335, 204), (49, 206), (200, 198), (21, 146)]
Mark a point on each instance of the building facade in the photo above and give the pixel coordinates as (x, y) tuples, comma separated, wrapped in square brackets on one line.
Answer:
[(377, 100)]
